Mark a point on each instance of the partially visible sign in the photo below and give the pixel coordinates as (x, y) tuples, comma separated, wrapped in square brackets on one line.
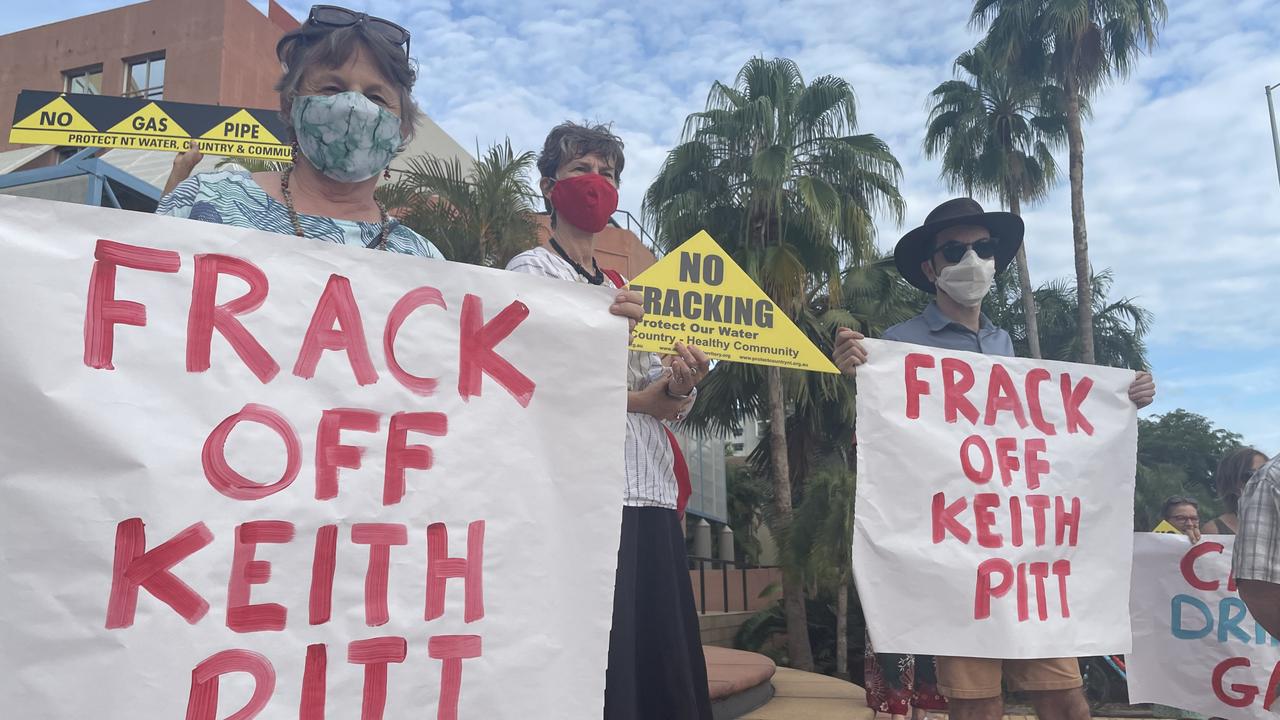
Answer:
[(48, 118), (994, 506), (1165, 527), (1195, 645), (699, 296)]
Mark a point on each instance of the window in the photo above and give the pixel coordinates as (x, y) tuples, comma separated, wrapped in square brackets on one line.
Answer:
[(87, 81), (738, 447), (144, 78)]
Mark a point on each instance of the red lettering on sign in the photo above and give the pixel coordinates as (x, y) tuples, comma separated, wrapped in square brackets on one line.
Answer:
[(985, 518), (243, 617), (102, 310), (1036, 376), (1072, 399), (206, 315), (1006, 451), (314, 682), (1003, 396), (375, 654), (944, 519), (914, 385), (226, 480), (202, 704), (957, 379), (441, 567), (336, 304), (452, 649), (476, 354), (979, 475), (1039, 505), (1067, 520), (135, 566), (379, 537), (1245, 693), (405, 306), (331, 454), (323, 565), (1188, 565), (1037, 466), (402, 456), (987, 589)]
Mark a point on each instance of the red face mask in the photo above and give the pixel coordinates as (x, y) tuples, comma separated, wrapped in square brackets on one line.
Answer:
[(586, 201)]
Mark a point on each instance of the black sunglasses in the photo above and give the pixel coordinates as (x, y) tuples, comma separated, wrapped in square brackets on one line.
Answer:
[(334, 16), (954, 251)]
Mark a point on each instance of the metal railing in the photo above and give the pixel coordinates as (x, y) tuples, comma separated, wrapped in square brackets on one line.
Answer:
[(726, 567), (632, 223)]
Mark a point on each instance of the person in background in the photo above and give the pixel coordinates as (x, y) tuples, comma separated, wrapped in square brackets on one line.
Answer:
[(954, 256), (1184, 514), (1232, 475), (901, 685), (1256, 559), (656, 666)]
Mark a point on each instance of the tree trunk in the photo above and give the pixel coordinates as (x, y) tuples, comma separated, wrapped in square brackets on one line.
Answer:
[(1075, 170), (842, 630), (792, 588), (1024, 280)]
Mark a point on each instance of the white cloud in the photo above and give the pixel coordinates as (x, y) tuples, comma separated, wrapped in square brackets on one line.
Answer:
[(1181, 191)]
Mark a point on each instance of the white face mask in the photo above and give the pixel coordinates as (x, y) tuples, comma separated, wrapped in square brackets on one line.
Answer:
[(969, 280)]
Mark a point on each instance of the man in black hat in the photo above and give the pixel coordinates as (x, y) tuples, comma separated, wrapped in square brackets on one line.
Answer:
[(955, 256)]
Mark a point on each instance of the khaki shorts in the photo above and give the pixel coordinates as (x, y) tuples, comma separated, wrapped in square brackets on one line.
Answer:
[(962, 678)]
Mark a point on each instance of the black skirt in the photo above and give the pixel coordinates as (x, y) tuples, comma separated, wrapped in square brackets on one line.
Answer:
[(656, 667)]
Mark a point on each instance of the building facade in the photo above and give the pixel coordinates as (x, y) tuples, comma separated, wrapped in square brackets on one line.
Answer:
[(212, 52)]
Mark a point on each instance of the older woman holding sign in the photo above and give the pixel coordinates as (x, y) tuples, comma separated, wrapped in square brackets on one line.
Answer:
[(347, 99), (656, 666)]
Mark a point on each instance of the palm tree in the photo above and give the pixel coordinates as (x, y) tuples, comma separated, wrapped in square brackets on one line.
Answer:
[(1120, 326), (773, 170), (1080, 44), (823, 541), (995, 134), (482, 217)]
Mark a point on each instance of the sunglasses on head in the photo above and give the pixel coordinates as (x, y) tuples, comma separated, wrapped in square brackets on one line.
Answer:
[(953, 251), (334, 16)]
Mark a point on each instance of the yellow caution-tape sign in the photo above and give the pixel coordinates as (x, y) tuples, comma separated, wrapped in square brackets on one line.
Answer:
[(48, 118), (699, 296)]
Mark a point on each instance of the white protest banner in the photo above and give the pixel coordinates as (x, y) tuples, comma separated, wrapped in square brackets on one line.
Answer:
[(251, 475), (1195, 645), (994, 511)]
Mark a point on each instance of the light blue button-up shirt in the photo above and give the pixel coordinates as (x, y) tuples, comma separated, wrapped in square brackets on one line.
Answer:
[(934, 329)]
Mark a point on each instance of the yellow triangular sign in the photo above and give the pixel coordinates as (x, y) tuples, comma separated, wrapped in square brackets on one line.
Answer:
[(1165, 527), (698, 295), (150, 121), (57, 115), (242, 128)]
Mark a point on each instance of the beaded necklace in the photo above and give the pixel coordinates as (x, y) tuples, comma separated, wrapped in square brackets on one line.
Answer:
[(379, 242)]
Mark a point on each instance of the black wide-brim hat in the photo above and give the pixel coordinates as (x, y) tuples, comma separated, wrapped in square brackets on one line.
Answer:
[(915, 247)]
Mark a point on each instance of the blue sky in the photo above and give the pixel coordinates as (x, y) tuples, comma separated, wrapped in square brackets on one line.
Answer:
[(1181, 192)]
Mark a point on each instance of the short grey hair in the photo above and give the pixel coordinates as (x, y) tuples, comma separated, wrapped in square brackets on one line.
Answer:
[(312, 46), (569, 141)]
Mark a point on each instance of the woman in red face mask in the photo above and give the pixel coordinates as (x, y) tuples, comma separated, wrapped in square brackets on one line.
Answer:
[(656, 666)]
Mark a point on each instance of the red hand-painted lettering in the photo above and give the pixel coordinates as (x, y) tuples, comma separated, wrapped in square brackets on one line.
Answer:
[(102, 310), (135, 566)]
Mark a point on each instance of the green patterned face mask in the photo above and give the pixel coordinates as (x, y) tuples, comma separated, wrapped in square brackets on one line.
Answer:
[(345, 136)]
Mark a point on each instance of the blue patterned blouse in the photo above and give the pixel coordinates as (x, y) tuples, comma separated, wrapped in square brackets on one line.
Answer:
[(233, 198)]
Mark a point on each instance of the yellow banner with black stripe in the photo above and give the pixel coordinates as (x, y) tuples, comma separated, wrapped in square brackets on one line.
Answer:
[(49, 118)]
